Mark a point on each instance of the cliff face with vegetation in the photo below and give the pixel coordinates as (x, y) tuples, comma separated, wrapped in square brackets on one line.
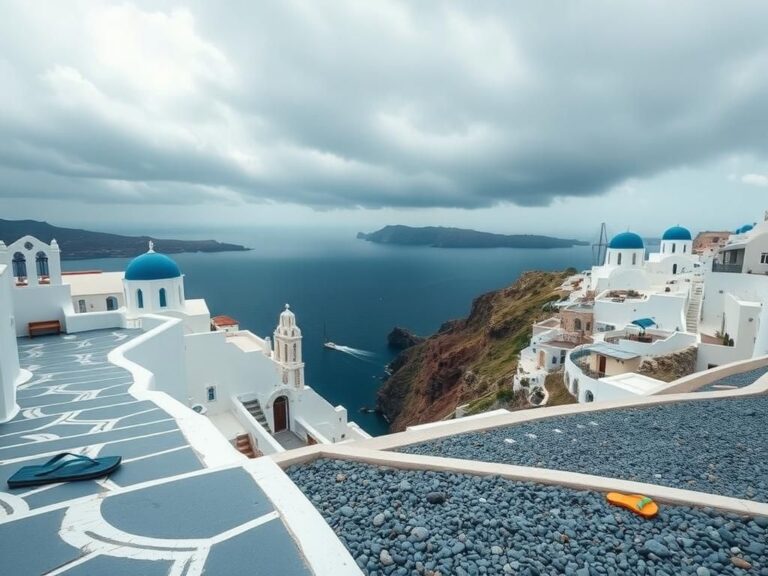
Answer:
[(468, 358)]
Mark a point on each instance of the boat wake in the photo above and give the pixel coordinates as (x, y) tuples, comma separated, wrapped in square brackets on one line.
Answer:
[(355, 351)]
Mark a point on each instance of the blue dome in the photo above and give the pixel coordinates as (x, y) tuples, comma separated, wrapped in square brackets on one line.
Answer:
[(677, 233), (744, 229), (152, 266), (627, 241)]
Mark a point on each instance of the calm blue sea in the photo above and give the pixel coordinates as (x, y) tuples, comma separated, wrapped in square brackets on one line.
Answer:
[(354, 289)]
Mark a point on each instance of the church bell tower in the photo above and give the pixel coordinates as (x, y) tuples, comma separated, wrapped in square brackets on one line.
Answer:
[(287, 339)]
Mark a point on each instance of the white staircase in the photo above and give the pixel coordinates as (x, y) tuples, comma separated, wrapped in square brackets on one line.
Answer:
[(254, 408), (694, 307)]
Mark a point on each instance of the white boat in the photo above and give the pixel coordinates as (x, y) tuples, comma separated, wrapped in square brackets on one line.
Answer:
[(330, 345)]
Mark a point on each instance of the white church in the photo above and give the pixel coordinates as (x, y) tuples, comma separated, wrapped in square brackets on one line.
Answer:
[(251, 389), (639, 307)]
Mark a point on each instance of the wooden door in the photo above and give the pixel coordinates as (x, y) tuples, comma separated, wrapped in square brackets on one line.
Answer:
[(280, 412), (601, 365)]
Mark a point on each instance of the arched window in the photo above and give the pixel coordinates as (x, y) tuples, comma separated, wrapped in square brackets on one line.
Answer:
[(674, 268), (41, 260), (577, 324), (588, 396), (575, 390), (285, 352), (139, 298), (609, 259), (163, 299), (81, 307), (111, 303), (673, 247), (685, 248), (181, 300), (295, 357), (634, 259), (19, 266), (619, 262)]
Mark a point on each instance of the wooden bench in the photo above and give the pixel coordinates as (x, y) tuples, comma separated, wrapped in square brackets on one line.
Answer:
[(47, 327)]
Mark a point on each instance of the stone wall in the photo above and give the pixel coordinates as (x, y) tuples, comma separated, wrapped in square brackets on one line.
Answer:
[(670, 367)]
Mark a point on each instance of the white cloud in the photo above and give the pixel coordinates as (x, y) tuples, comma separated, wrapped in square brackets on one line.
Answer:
[(755, 179), (381, 103)]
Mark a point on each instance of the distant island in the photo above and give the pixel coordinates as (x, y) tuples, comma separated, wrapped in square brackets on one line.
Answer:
[(439, 237), (77, 244)]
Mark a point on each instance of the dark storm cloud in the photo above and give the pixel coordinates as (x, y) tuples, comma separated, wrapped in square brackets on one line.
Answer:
[(374, 104)]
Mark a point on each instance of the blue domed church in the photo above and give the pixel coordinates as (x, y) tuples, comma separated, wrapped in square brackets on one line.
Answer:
[(153, 282)]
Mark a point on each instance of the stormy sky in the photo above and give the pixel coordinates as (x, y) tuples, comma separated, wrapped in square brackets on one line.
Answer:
[(505, 116)]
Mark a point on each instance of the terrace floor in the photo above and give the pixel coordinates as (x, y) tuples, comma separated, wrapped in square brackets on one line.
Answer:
[(161, 512)]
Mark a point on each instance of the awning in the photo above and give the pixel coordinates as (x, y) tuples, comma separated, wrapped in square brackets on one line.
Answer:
[(644, 322)]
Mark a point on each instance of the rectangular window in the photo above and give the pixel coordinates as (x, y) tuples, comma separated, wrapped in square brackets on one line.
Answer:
[(210, 393), (764, 258)]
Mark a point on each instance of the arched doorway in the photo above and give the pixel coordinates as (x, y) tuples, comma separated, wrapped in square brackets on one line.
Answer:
[(111, 303), (280, 413), (20, 267), (588, 396)]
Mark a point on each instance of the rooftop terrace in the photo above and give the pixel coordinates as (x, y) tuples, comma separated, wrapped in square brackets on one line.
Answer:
[(161, 512)]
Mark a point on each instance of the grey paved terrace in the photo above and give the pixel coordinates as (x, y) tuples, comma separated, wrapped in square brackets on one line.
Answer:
[(715, 446), (183, 520), (421, 522)]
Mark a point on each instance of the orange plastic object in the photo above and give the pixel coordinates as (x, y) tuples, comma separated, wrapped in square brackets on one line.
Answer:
[(640, 505)]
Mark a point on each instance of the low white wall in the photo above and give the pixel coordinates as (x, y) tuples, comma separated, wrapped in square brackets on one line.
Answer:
[(260, 437), (330, 421), (39, 304), (9, 354), (674, 343), (163, 355), (94, 321)]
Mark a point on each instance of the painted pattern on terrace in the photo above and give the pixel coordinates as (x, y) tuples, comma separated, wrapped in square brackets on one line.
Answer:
[(161, 513), (716, 446)]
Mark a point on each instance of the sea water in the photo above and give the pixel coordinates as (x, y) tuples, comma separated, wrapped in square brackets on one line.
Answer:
[(352, 291)]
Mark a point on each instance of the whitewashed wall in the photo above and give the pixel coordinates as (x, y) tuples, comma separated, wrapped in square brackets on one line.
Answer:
[(163, 355), (94, 321), (97, 302), (9, 355), (667, 310), (39, 304)]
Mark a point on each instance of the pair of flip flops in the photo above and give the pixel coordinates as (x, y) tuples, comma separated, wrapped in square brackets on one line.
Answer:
[(640, 505), (64, 467)]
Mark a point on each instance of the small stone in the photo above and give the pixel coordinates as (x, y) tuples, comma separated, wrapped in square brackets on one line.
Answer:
[(385, 558), (497, 550), (655, 547), (347, 511), (702, 571), (436, 498), (419, 533), (378, 520), (340, 477), (740, 563)]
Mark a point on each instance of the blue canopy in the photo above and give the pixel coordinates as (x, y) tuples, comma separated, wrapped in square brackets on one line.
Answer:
[(644, 323)]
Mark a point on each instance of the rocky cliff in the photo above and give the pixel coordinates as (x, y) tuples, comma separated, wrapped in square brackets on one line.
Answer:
[(467, 358)]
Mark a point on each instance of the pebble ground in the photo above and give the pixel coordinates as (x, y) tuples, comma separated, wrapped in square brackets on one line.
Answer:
[(735, 381), (438, 523), (715, 446)]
